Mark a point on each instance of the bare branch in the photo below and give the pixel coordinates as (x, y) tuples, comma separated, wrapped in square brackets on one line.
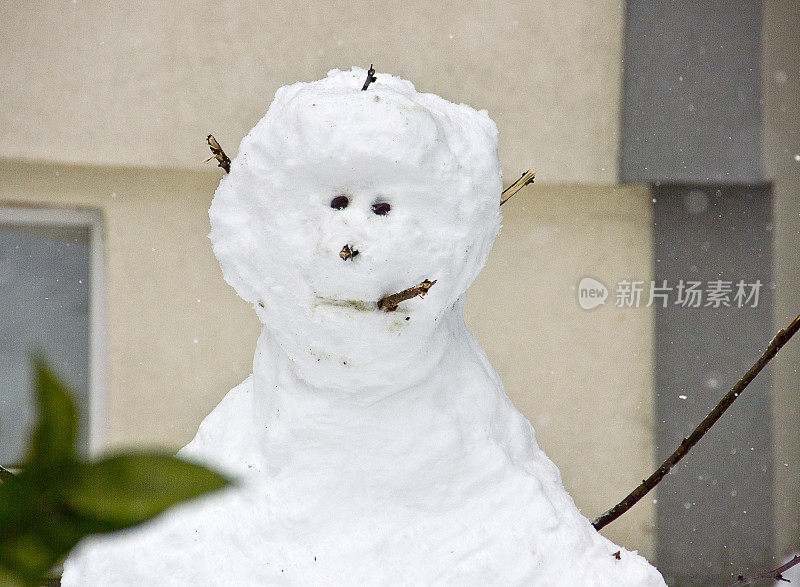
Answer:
[(389, 303), (370, 78), (648, 484), (526, 179), (775, 574), (217, 153)]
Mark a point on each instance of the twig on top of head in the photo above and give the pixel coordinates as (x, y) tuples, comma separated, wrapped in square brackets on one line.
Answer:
[(525, 179), (217, 153), (370, 77)]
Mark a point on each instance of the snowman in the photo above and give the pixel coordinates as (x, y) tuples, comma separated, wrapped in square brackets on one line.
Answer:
[(374, 443)]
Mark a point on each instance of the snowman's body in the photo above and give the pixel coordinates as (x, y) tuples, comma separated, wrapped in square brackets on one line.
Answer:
[(371, 447)]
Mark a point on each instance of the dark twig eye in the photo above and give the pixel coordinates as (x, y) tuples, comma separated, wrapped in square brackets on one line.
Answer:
[(340, 202), (381, 208)]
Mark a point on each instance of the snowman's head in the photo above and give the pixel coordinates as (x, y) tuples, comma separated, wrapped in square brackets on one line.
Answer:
[(339, 197)]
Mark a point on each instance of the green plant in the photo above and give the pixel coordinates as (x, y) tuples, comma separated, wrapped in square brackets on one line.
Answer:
[(58, 499)]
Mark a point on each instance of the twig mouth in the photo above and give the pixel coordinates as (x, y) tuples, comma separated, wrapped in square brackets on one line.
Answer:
[(360, 305), (386, 304), (389, 303)]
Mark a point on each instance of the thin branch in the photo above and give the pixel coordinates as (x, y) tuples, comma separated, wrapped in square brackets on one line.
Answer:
[(780, 339), (776, 574), (370, 78), (389, 303), (217, 153), (526, 179)]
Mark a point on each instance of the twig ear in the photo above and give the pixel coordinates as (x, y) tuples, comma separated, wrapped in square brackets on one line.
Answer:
[(526, 179), (217, 153)]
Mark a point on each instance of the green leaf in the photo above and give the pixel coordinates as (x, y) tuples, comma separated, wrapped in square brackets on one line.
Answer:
[(28, 557), (58, 500), (44, 513), (37, 532), (20, 499), (54, 437), (9, 579), (5, 476), (127, 489)]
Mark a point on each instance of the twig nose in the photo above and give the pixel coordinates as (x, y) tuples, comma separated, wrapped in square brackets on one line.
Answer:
[(348, 252)]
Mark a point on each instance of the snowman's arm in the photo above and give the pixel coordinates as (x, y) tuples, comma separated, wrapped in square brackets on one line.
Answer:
[(217, 153)]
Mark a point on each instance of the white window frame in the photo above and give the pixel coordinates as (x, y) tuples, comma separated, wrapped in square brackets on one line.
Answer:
[(93, 220)]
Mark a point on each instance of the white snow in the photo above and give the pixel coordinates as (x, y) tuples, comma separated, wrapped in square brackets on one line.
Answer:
[(371, 448)]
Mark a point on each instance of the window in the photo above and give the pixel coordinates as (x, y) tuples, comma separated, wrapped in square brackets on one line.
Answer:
[(51, 302)]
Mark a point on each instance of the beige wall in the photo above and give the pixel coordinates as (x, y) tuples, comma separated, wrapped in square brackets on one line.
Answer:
[(781, 92), (583, 378), (111, 82), (164, 290)]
